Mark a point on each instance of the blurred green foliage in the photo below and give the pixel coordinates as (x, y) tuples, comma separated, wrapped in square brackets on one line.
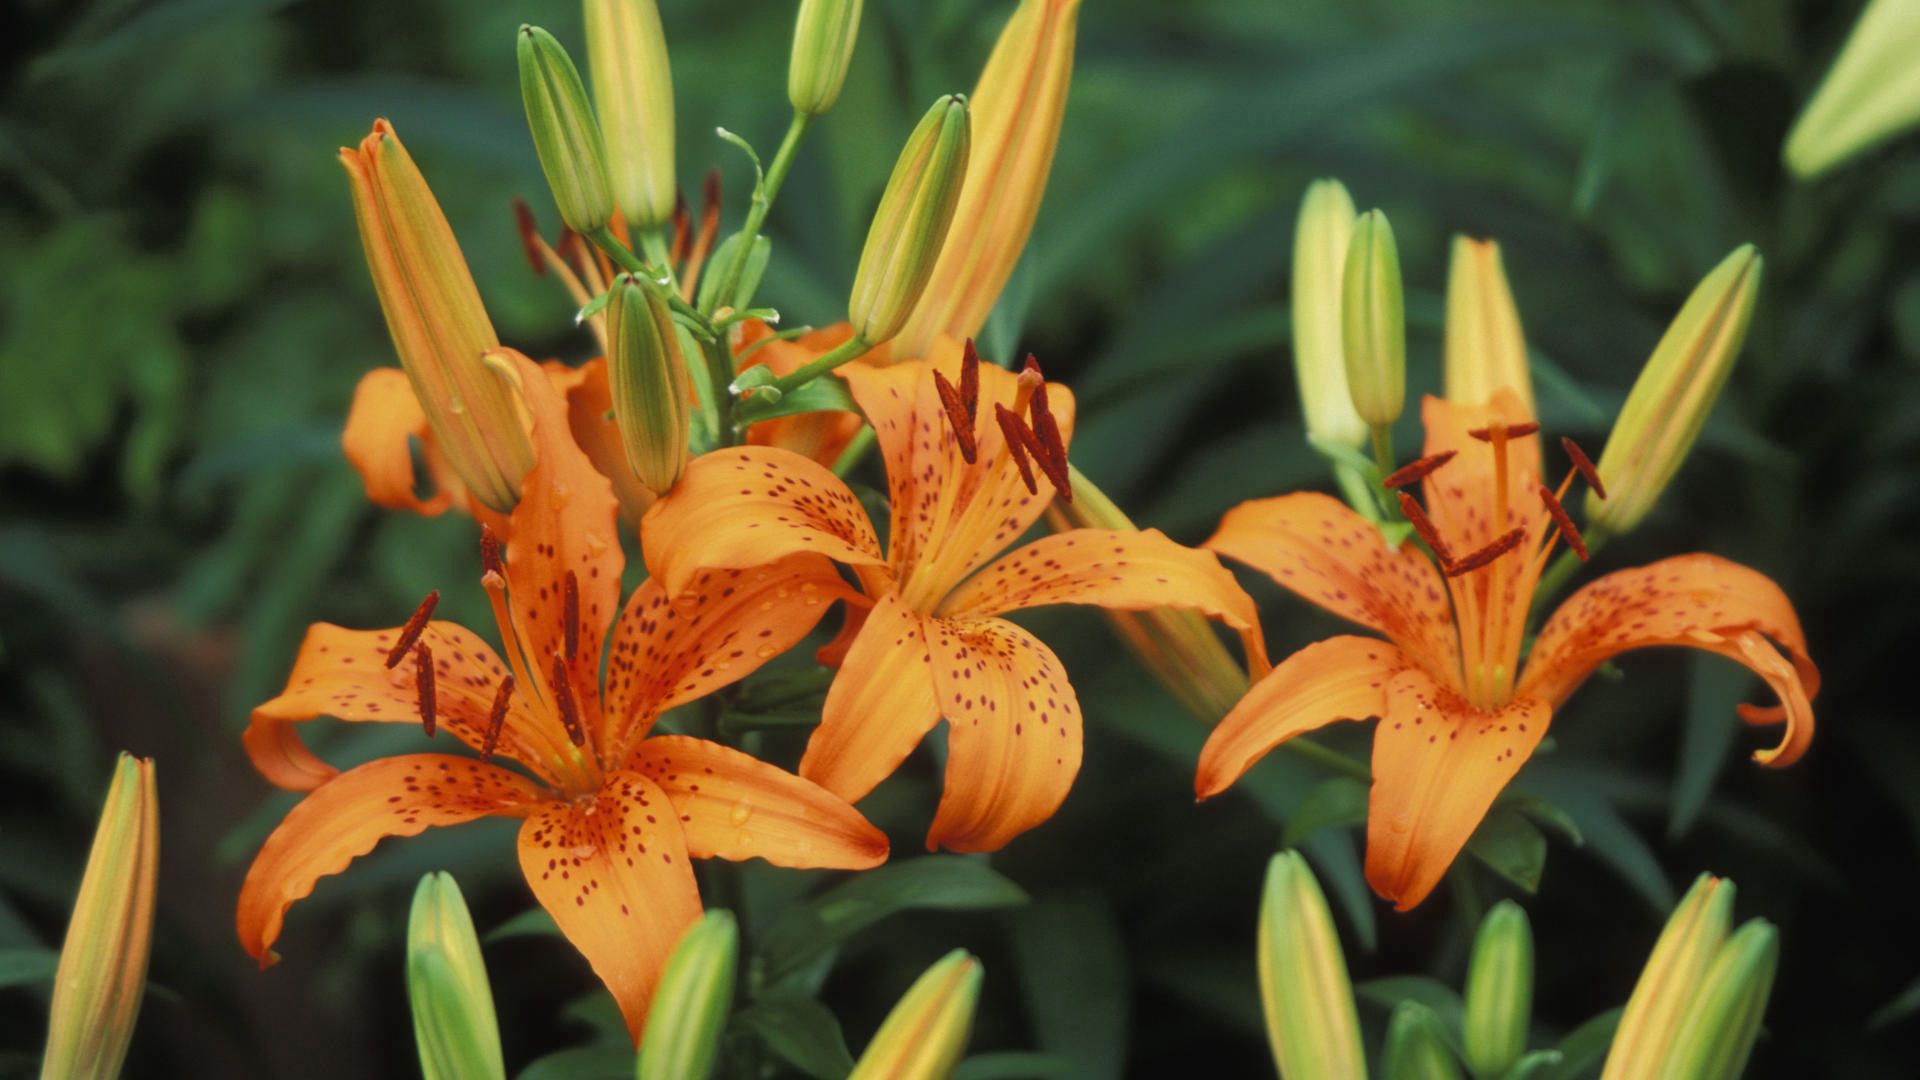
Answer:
[(183, 315)]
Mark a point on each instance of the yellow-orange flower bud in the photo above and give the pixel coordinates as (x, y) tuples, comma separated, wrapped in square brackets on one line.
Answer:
[(925, 1034), (911, 223), (1304, 988), (823, 40), (1871, 94), (1670, 980), (1485, 348), (1320, 238), (633, 94)]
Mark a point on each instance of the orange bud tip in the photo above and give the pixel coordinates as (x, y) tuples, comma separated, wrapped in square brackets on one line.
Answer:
[(1422, 524), (410, 633), (497, 717), (423, 685), (1512, 431), (1584, 466), (1477, 559), (1565, 523), (563, 697), (1417, 470), (529, 236), (490, 560), (570, 611)]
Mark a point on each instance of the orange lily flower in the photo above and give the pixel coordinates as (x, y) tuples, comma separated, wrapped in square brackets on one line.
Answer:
[(962, 444), (612, 812), (1459, 713)]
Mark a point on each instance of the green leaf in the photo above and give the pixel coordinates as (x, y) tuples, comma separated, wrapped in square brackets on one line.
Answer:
[(1073, 966), (1901, 1007), (26, 967), (801, 1032), (530, 923), (1533, 1066), (1546, 814), (1583, 1047), (602, 1061), (1714, 687), (1388, 992), (1511, 846), (1337, 801), (1014, 1065), (823, 394)]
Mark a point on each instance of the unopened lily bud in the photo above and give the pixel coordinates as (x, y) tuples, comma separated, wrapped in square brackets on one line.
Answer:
[(1017, 106), (1675, 392), (647, 375), (823, 39), (1374, 322), (1670, 980), (925, 1034), (103, 963), (1304, 988), (572, 154), (1718, 1032), (453, 1019), (1499, 991), (633, 93), (439, 327), (1871, 94), (1320, 239), (690, 1004), (1485, 348), (1416, 1046), (911, 223)]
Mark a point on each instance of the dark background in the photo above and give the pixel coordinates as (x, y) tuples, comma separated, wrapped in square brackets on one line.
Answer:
[(183, 314)]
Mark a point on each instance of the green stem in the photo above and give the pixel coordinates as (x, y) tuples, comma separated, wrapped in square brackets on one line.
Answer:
[(604, 239), (720, 379), (856, 449), (1358, 493), (1383, 449), (655, 245), (849, 350), (1332, 760), (762, 202), (1556, 576)]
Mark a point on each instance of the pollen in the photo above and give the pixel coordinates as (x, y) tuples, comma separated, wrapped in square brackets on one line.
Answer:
[(410, 633), (490, 560), (1477, 559), (1584, 466), (563, 697), (1417, 470), (1565, 523), (423, 685)]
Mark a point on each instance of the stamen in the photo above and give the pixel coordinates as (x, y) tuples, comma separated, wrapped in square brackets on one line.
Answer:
[(410, 633), (682, 221), (1417, 517), (959, 415), (570, 611), (1051, 448), (1512, 431), (490, 560), (1584, 466), (1565, 523), (702, 239), (1474, 561), (497, 717), (970, 380), (423, 684), (563, 697), (529, 236), (1417, 470), (1016, 435)]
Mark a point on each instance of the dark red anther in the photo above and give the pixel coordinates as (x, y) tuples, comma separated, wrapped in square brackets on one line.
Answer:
[(563, 697), (709, 211), (570, 611), (423, 684), (490, 560), (571, 246), (497, 717), (1417, 470), (1584, 466), (410, 633), (1422, 524), (1560, 518), (970, 380), (529, 236), (1475, 560), (682, 222), (1514, 431), (959, 415), (1016, 435)]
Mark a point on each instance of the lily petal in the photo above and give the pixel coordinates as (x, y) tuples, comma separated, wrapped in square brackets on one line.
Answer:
[(343, 674), (612, 870), (1013, 732), (1697, 601), (735, 806), (750, 506), (1316, 547), (1438, 764), (590, 417), (345, 817), (1342, 678), (880, 706), (382, 423), (821, 435)]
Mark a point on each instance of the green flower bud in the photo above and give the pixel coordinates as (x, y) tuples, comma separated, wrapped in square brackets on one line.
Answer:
[(1670, 400), (1717, 1033), (925, 1034), (691, 1002), (823, 39), (1485, 349), (453, 1019), (1499, 991), (647, 376), (1304, 989), (633, 91), (1416, 1047), (1374, 323), (1871, 95), (564, 132), (1320, 240), (911, 223), (103, 963), (1671, 980)]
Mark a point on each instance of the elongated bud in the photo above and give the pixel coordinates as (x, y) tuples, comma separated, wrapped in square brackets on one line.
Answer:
[(823, 39), (453, 1018), (1320, 240), (925, 1034), (1717, 1034), (647, 375), (103, 963), (633, 93), (1671, 980), (911, 223), (1303, 979), (1871, 94), (1374, 323), (572, 154), (1416, 1046), (1675, 392), (440, 329), (1499, 991), (1018, 106), (690, 1005), (1485, 349)]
